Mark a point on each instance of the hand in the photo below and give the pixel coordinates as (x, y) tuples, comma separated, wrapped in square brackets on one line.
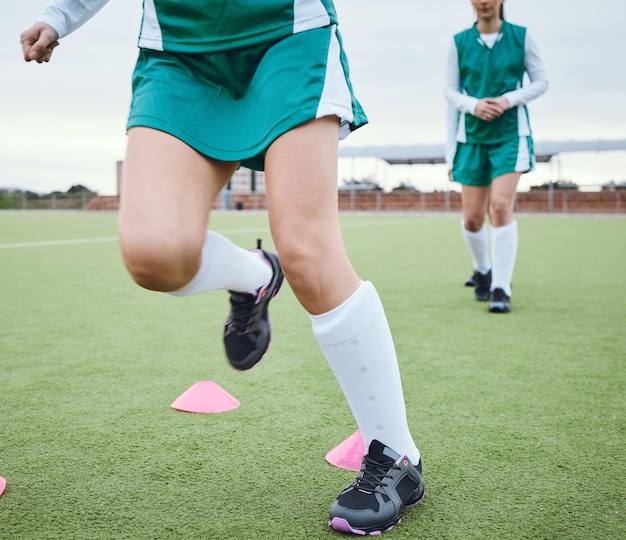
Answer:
[(489, 109), (38, 42), (502, 102)]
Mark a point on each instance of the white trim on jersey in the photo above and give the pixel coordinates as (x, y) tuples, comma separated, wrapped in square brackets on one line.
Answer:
[(336, 98), (309, 14), (525, 160), (523, 125), (150, 27)]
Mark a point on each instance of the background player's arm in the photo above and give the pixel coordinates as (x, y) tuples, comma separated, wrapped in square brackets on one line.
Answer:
[(486, 109), (537, 75), (59, 19), (457, 99)]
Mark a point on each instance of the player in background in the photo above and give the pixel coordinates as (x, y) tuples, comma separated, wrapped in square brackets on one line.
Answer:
[(265, 84), (490, 142)]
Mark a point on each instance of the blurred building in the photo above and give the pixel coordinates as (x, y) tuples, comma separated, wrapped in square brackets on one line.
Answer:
[(247, 181)]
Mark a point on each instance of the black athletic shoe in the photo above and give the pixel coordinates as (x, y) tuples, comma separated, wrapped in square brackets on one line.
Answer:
[(469, 282), (482, 285), (247, 330), (499, 302), (385, 486)]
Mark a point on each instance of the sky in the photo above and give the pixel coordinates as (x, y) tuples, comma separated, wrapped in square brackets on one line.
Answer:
[(63, 123)]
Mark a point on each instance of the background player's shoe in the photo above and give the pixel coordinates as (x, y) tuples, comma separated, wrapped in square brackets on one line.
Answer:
[(499, 302), (469, 282), (247, 331), (482, 286), (385, 486)]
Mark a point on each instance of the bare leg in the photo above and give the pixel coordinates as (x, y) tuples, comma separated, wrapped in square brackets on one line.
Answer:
[(476, 237), (474, 201), (167, 194), (502, 199), (347, 315), (301, 172)]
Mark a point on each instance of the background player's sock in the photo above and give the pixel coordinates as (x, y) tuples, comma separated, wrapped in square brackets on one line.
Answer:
[(503, 254), (478, 246)]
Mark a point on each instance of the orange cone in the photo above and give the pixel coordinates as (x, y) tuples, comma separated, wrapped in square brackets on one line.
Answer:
[(348, 454), (205, 397)]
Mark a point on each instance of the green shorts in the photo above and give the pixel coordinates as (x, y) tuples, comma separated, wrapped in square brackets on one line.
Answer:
[(232, 105), (479, 164)]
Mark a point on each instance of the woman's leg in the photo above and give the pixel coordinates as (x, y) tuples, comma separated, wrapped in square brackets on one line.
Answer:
[(167, 194), (502, 199), (347, 316), (476, 237), (504, 238), (474, 200), (348, 322)]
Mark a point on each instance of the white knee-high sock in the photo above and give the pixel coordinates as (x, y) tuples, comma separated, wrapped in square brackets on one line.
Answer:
[(356, 340), (478, 246), (503, 254), (225, 265)]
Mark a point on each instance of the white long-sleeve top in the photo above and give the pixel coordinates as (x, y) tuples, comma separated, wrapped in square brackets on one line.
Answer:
[(458, 102)]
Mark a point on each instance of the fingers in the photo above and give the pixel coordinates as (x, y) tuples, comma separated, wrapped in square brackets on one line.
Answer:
[(489, 109), (496, 105), (38, 42)]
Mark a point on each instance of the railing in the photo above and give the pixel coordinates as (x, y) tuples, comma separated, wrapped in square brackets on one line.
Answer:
[(560, 201), (22, 200)]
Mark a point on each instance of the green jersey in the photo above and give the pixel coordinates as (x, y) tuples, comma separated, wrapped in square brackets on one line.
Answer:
[(204, 26), (200, 26), (491, 72)]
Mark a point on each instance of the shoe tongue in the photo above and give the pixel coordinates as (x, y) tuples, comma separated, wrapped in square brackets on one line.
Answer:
[(382, 453), (241, 297)]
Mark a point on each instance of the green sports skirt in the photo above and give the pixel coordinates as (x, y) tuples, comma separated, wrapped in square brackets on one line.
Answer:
[(232, 105)]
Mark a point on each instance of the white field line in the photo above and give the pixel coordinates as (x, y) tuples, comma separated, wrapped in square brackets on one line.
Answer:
[(75, 241), (46, 243)]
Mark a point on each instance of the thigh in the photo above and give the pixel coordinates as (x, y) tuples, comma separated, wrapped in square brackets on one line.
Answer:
[(168, 190), (301, 185)]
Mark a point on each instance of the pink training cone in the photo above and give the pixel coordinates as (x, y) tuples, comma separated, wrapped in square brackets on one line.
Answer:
[(205, 397), (3, 484), (348, 454)]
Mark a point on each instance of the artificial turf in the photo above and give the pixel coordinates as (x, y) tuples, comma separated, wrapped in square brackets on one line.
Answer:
[(519, 417)]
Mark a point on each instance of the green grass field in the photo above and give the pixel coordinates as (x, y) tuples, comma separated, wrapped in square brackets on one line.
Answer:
[(520, 418)]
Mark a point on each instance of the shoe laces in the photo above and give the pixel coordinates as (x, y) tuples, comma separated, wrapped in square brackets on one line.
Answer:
[(499, 295), (243, 305), (373, 474)]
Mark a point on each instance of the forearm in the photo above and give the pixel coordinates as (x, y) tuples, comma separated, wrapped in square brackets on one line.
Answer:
[(461, 102), (65, 16)]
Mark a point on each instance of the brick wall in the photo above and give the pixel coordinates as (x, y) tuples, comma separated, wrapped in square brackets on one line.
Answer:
[(561, 201), (103, 202)]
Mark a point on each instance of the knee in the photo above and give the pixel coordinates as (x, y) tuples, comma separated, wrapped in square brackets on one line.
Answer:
[(295, 260), (311, 266), (474, 223), (157, 264), (500, 213)]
